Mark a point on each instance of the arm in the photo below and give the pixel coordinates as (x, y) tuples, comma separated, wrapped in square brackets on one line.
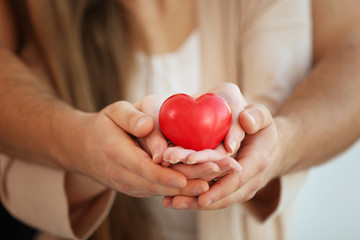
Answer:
[(322, 118), (37, 126)]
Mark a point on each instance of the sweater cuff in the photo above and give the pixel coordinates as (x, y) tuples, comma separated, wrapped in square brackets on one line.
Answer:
[(51, 200)]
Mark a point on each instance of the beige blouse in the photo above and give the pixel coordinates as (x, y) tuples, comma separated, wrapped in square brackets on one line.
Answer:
[(264, 46)]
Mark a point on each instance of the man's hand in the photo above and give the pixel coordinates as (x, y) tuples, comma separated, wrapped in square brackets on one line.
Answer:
[(206, 164), (254, 158), (105, 150)]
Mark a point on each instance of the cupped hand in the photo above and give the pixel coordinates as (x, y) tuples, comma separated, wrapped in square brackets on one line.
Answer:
[(218, 161), (232, 95), (254, 156), (106, 151)]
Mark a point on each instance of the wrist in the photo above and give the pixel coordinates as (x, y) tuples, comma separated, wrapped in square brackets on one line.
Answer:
[(68, 132), (284, 155)]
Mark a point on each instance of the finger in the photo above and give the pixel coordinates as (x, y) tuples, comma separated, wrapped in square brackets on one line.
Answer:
[(155, 142), (254, 118), (234, 137), (221, 189), (196, 170), (136, 186), (167, 202), (128, 118), (207, 155), (176, 154), (139, 187), (245, 193), (165, 164), (254, 156), (227, 166), (185, 202), (140, 163), (180, 155), (167, 153), (194, 187), (232, 95), (208, 170)]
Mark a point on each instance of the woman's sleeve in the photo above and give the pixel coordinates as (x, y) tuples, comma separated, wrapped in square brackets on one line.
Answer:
[(51, 200)]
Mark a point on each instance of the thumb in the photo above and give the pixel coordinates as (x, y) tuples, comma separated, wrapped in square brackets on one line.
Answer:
[(254, 118), (128, 118)]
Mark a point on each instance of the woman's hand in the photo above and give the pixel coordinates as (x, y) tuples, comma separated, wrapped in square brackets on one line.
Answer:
[(231, 93), (206, 164), (255, 159), (102, 147)]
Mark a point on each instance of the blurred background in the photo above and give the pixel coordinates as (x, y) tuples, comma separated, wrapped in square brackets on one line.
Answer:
[(328, 206)]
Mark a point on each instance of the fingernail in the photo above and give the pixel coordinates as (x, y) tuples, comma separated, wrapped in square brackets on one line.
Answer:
[(215, 168), (183, 205), (198, 191), (155, 157), (232, 145), (252, 119), (173, 162), (158, 156), (177, 184), (191, 161), (142, 121), (208, 203)]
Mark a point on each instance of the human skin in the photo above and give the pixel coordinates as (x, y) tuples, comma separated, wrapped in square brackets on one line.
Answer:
[(45, 134), (55, 134), (320, 120), (98, 145)]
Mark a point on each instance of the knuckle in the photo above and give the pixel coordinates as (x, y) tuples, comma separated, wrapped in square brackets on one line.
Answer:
[(109, 149), (131, 118), (138, 169), (115, 107), (263, 114)]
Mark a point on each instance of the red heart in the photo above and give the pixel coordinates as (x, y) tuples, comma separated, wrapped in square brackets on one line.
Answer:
[(197, 124)]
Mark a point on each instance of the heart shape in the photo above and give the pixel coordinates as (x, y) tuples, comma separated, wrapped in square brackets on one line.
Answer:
[(197, 124)]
